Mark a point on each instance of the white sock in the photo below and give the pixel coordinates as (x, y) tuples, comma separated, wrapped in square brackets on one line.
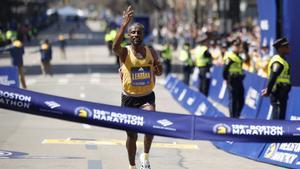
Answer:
[(132, 167), (145, 156)]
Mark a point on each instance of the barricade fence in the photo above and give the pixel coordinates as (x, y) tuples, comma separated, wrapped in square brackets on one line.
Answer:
[(256, 107), (156, 123)]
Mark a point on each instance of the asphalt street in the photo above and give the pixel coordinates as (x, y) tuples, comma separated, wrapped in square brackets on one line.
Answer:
[(89, 73)]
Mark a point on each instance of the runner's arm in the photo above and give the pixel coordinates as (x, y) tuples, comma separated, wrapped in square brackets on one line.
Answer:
[(120, 51), (157, 65)]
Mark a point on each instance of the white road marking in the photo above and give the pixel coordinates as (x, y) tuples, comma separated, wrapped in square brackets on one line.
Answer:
[(86, 126), (82, 95), (95, 80), (30, 82), (63, 81)]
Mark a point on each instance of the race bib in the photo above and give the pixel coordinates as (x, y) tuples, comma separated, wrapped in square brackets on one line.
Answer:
[(140, 76)]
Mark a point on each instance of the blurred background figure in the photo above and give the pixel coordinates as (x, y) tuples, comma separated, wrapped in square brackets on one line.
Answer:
[(188, 65), (16, 50), (62, 46), (167, 55), (203, 61), (233, 75), (46, 57)]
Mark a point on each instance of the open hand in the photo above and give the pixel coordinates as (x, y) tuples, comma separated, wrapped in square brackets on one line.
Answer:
[(127, 15), (264, 92)]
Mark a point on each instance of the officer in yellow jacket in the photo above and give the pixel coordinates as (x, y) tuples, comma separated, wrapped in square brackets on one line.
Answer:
[(167, 54), (185, 57), (233, 74), (279, 83), (203, 60)]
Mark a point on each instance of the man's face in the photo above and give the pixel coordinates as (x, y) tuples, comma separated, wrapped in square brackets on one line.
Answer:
[(136, 35), (285, 49)]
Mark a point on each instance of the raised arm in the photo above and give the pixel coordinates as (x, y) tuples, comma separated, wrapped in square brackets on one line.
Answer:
[(121, 52)]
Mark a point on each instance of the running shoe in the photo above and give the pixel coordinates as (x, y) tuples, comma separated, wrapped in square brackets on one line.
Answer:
[(145, 164)]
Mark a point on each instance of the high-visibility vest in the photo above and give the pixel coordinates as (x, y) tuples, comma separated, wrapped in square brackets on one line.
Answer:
[(167, 53), (184, 57), (201, 60), (284, 76), (113, 34), (107, 37), (237, 66), (11, 34)]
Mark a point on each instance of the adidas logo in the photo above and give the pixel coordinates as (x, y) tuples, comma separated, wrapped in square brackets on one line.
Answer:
[(164, 122), (141, 69), (52, 104)]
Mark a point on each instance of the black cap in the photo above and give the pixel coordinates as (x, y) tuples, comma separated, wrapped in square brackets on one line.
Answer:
[(202, 39), (280, 42)]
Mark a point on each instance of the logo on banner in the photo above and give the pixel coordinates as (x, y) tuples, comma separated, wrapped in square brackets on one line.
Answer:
[(164, 122), (272, 149), (15, 99), (252, 97), (5, 81), (284, 152), (83, 112), (221, 129), (120, 118), (52, 104)]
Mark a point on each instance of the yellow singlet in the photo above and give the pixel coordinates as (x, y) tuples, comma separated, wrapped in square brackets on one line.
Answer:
[(138, 78)]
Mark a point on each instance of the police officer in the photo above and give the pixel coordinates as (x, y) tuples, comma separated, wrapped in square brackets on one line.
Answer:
[(166, 54), (108, 40), (279, 83), (203, 61), (233, 75), (16, 50), (185, 57)]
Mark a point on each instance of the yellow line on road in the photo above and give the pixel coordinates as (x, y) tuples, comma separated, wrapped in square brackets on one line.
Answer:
[(118, 142)]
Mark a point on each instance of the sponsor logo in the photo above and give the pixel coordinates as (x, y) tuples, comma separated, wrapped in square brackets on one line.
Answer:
[(252, 97), (83, 112), (52, 104), (283, 152), (5, 81), (164, 125), (120, 118), (15, 99), (272, 149), (221, 129), (164, 122)]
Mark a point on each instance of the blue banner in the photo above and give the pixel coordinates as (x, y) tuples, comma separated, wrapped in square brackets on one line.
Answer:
[(267, 12), (156, 123), (9, 76), (283, 154), (291, 28), (253, 85)]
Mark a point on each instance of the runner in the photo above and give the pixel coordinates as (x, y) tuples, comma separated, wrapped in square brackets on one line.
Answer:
[(139, 65)]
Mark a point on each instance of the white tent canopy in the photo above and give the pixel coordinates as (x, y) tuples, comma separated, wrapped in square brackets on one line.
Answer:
[(67, 11)]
